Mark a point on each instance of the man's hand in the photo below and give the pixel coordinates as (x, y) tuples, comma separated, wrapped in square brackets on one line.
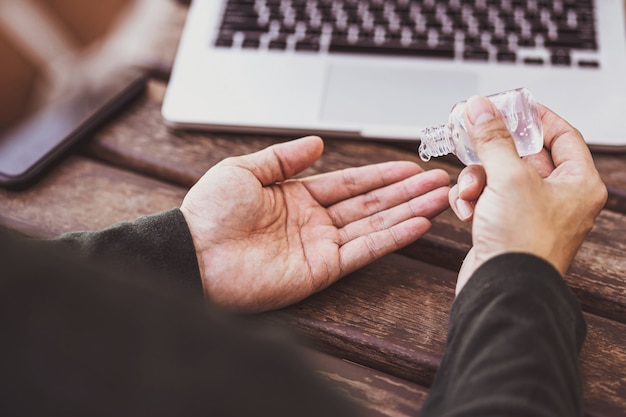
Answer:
[(542, 204), (265, 241)]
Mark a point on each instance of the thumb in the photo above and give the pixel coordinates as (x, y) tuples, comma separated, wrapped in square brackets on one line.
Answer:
[(282, 161), (490, 137)]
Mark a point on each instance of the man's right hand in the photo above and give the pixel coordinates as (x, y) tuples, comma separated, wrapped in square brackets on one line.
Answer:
[(544, 204)]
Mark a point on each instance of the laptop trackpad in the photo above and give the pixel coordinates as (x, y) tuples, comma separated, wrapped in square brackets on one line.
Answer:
[(396, 96)]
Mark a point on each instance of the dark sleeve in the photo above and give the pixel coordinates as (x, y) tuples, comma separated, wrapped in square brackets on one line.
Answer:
[(80, 339), (514, 337), (160, 242)]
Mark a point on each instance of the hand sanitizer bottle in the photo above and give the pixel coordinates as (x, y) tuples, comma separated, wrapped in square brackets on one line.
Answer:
[(521, 115)]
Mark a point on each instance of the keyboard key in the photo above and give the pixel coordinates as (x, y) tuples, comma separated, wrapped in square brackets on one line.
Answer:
[(277, 44), (287, 30), (225, 38), (561, 57), (526, 42), (472, 41), (499, 41), (224, 42), (250, 43), (308, 44), (506, 56), (379, 26), (476, 55), (573, 39), (397, 49), (588, 64), (533, 61)]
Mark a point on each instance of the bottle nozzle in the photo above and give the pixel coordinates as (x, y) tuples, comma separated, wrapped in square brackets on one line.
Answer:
[(423, 152), (435, 141)]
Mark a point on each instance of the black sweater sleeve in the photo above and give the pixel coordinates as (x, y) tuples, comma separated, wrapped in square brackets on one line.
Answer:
[(82, 337), (158, 243), (514, 337)]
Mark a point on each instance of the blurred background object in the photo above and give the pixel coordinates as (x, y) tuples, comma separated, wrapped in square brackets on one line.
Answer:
[(54, 48)]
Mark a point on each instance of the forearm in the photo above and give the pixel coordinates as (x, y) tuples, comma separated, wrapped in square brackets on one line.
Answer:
[(515, 334), (160, 243)]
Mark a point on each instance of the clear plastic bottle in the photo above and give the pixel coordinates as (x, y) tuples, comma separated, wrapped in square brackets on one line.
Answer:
[(520, 112)]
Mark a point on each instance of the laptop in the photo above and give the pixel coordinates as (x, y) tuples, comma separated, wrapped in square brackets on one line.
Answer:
[(386, 69)]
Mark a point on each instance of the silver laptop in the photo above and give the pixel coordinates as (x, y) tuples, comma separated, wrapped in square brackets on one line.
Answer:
[(385, 69)]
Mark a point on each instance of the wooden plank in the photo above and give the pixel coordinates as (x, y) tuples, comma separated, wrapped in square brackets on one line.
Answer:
[(392, 320), (392, 316), (604, 367), (72, 197), (597, 274), (139, 141), (80, 194), (612, 168), (377, 393)]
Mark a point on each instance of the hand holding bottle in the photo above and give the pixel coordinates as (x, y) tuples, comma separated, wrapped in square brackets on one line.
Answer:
[(521, 116), (543, 204)]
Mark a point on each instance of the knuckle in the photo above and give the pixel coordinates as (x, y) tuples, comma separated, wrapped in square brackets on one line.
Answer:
[(372, 247), (377, 222), (596, 190), (229, 161), (601, 195), (371, 203), (349, 179)]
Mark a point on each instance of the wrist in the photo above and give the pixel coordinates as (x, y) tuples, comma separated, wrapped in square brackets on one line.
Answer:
[(474, 261)]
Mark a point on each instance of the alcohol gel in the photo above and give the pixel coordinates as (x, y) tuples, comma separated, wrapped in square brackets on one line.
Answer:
[(520, 114)]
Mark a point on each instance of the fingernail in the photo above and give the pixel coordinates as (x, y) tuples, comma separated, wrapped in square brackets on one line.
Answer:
[(478, 110), (465, 181), (464, 208)]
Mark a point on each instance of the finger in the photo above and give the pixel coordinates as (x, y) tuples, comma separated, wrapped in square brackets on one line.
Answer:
[(471, 182), (332, 187), (563, 140), (364, 205), (572, 158), (490, 138), (361, 251), (541, 162), (427, 205), (463, 209), (281, 161)]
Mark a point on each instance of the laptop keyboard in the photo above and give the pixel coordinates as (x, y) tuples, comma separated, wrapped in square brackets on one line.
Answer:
[(532, 32)]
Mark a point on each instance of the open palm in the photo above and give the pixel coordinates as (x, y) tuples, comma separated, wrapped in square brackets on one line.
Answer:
[(265, 241)]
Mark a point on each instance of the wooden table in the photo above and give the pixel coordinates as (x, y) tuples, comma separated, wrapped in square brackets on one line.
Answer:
[(380, 332)]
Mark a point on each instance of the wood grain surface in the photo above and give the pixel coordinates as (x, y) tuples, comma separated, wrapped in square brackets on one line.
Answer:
[(82, 194), (382, 329), (379, 394), (392, 316), (138, 141)]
